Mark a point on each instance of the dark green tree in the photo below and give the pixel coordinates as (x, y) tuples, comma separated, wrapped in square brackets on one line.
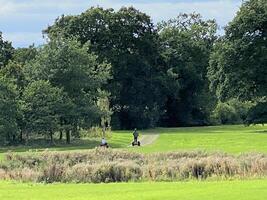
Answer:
[(186, 44), (6, 51), (67, 64), (24, 55), (42, 106), (238, 62), (9, 111), (128, 40)]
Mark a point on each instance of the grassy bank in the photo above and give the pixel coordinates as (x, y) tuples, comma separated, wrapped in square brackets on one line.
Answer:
[(224, 190)]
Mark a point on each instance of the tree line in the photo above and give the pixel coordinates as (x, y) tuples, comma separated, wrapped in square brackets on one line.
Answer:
[(178, 72)]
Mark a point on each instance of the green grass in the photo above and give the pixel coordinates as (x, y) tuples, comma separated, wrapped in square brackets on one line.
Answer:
[(224, 190), (120, 139), (231, 139)]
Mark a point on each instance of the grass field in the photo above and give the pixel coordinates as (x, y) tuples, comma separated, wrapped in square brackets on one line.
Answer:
[(232, 139), (223, 190)]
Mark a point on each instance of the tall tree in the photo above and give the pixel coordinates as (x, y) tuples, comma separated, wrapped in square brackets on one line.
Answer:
[(186, 44), (42, 106), (238, 62), (6, 51), (128, 40), (67, 64), (9, 110)]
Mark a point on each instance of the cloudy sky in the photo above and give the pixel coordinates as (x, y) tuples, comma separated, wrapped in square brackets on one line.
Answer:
[(22, 21)]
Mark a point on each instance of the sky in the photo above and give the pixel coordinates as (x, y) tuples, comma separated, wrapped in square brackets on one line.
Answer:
[(22, 21)]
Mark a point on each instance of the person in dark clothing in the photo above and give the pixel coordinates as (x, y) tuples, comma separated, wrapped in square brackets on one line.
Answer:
[(135, 134)]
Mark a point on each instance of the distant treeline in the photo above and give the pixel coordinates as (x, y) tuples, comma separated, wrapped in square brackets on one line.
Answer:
[(117, 68)]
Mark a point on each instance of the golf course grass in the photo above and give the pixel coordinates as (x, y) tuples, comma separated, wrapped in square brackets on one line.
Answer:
[(232, 139), (223, 190)]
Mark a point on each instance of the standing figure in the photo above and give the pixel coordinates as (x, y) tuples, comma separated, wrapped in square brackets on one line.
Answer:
[(135, 134)]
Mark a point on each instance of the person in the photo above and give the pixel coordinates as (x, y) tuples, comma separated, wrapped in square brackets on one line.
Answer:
[(104, 143), (135, 134)]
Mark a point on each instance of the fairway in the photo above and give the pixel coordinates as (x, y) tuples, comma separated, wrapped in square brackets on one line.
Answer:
[(233, 139), (224, 190)]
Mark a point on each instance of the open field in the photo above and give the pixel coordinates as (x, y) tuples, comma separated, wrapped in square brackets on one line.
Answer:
[(223, 190), (232, 139)]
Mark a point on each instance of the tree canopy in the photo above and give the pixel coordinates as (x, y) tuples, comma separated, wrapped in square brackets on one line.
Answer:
[(117, 67)]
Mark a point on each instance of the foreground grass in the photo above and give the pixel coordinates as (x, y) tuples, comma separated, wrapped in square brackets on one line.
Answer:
[(224, 190)]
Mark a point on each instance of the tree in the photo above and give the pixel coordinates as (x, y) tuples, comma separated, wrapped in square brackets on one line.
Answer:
[(128, 40), (8, 110), (258, 113), (6, 51), (66, 64), (186, 44), (238, 62), (42, 105), (24, 55)]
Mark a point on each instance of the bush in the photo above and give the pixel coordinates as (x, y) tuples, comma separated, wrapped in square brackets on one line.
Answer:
[(231, 112)]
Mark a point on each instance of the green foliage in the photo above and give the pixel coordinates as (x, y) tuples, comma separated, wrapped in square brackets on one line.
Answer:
[(6, 51), (128, 40), (24, 55), (225, 114), (42, 105), (258, 113), (9, 110), (231, 112), (14, 71), (186, 44), (67, 65), (238, 62)]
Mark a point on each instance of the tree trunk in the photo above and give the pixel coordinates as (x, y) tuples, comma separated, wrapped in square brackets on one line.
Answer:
[(27, 138), (21, 136), (51, 137), (60, 135), (68, 136)]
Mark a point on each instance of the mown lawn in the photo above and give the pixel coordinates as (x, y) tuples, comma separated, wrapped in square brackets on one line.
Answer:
[(232, 139), (224, 190)]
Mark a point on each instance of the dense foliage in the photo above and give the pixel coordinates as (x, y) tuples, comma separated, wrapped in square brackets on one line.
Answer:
[(118, 68), (238, 62)]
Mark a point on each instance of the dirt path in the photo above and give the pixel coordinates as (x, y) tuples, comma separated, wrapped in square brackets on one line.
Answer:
[(149, 138)]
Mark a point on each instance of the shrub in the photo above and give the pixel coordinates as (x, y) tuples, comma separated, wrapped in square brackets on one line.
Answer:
[(224, 114)]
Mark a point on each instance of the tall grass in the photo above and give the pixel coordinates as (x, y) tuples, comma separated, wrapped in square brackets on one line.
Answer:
[(106, 165)]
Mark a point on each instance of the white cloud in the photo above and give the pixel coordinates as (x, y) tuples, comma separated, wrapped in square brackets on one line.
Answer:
[(30, 12)]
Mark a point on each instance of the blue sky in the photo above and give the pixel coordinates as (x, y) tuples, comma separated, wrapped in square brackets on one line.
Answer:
[(22, 21)]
